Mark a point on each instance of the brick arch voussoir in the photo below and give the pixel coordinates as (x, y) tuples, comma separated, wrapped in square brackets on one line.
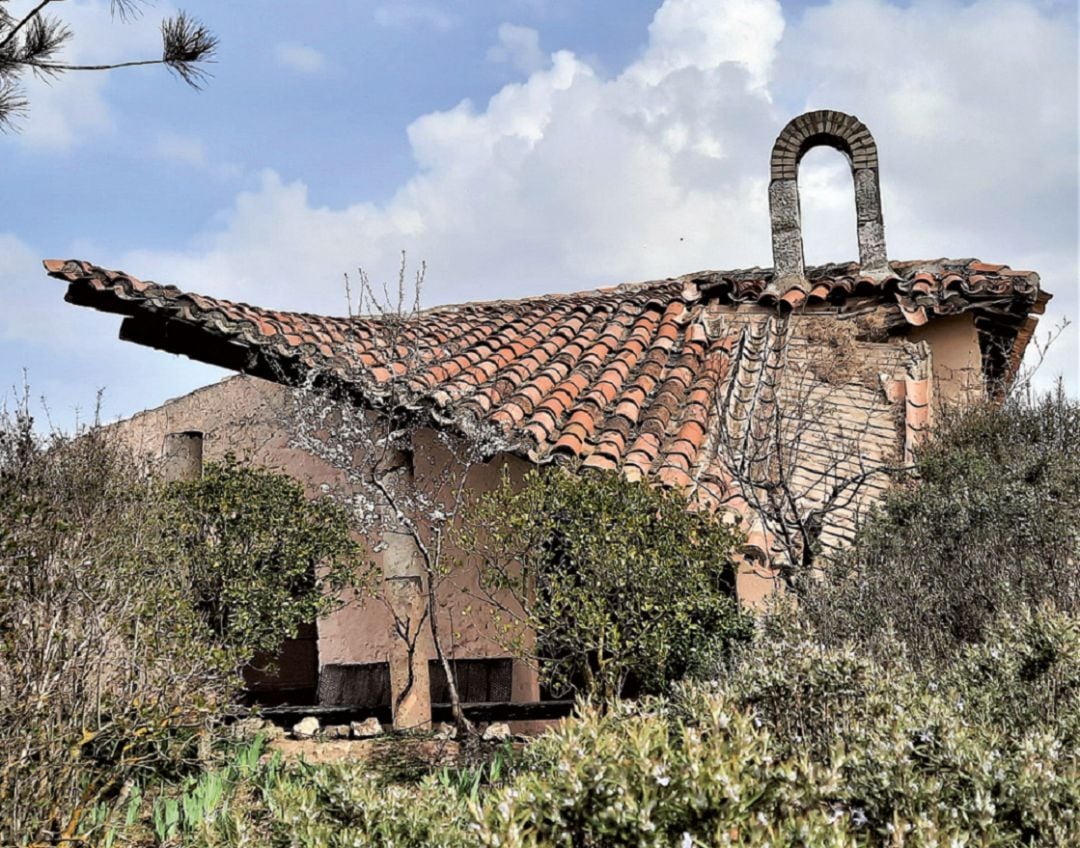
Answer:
[(828, 127)]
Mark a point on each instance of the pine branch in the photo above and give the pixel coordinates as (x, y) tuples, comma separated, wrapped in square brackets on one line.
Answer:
[(187, 43), (13, 105), (57, 67), (31, 16), (34, 41), (44, 38), (125, 10)]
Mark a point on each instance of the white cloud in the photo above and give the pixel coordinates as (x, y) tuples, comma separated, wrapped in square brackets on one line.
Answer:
[(190, 151), (300, 57), (569, 179), (405, 14), (560, 181), (185, 149), (520, 47), (704, 34)]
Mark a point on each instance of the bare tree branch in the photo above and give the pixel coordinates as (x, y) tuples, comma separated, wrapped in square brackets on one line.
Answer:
[(373, 451)]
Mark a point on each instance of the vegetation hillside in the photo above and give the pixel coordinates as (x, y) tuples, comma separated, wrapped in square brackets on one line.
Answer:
[(924, 692)]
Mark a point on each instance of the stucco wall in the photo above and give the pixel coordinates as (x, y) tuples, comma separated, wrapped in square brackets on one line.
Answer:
[(361, 631), (239, 415), (248, 417), (957, 357)]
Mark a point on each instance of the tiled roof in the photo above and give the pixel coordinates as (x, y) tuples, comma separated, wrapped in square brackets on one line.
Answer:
[(624, 378)]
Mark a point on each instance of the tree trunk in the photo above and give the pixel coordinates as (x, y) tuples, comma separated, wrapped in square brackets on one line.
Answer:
[(460, 721)]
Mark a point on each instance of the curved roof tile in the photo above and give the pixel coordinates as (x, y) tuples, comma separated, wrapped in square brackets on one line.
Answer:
[(621, 378)]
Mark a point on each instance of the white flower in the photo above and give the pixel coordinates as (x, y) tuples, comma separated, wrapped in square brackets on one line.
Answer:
[(687, 841)]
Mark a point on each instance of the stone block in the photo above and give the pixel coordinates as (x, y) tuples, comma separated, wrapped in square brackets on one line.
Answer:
[(366, 729), (306, 728), (872, 248), (445, 731), (246, 728), (272, 732), (496, 732), (784, 205), (867, 196)]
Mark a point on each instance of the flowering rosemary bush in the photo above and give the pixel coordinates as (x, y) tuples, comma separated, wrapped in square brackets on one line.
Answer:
[(987, 524), (807, 745)]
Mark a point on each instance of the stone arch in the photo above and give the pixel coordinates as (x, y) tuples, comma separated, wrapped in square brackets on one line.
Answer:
[(850, 136)]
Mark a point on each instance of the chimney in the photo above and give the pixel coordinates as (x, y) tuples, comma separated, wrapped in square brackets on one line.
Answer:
[(182, 457), (850, 136)]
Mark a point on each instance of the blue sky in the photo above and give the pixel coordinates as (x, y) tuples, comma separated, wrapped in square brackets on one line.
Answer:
[(518, 147)]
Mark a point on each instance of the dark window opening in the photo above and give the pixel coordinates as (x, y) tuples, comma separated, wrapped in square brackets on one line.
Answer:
[(479, 681), (288, 676), (359, 685)]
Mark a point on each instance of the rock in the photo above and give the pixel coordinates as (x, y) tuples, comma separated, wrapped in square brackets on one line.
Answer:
[(495, 732), (248, 727), (366, 729), (337, 731), (306, 728), (445, 731), (272, 732)]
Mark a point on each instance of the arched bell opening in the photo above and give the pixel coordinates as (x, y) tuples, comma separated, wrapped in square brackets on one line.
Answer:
[(850, 136), (826, 210)]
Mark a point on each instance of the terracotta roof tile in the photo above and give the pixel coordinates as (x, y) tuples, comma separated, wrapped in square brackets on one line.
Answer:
[(620, 378)]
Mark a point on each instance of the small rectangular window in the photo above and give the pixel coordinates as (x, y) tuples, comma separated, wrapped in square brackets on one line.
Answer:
[(486, 680), (355, 685)]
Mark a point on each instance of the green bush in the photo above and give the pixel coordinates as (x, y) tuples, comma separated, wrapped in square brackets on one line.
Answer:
[(983, 748), (261, 557), (341, 805), (809, 745), (988, 523), (798, 744), (649, 778), (609, 581)]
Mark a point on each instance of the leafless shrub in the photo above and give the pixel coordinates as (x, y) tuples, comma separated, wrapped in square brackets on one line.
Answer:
[(102, 675), (796, 438), (128, 609), (394, 499)]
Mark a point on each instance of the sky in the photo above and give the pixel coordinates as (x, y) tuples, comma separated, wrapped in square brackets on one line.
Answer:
[(517, 147)]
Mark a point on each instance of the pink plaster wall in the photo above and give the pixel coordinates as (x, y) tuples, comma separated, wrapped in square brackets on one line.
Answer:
[(244, 415), (957, 358)]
